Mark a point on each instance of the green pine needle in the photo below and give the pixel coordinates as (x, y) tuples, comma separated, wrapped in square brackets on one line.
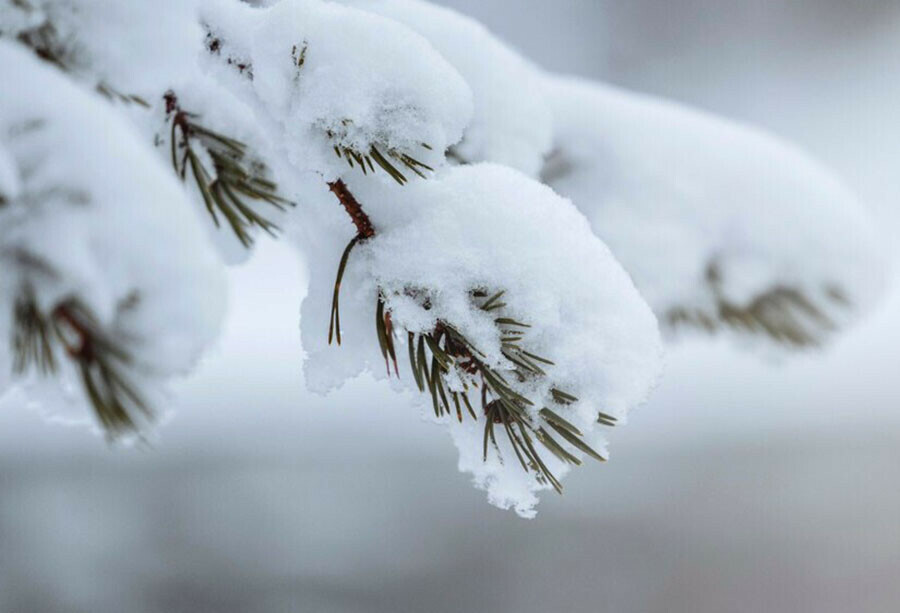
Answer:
[(334, 327), (234, 181), (786, 315), (389, 160), (434, 355), (71, 330)]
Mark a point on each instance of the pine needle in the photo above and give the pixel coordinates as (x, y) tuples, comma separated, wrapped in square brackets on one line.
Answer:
[(386, 159), (102, 365), (234, 181), (446, 349)]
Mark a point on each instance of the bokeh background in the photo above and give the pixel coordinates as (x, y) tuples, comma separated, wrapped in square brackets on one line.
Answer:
[(748, 483)]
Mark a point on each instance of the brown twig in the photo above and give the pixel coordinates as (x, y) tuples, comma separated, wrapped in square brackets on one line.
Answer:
[(82, 350), (364, 228)]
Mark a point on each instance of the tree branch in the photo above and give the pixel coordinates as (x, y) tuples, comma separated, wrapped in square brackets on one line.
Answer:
[(82, 350), (364, 228)]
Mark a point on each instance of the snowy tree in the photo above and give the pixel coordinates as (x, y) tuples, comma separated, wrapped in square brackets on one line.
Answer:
[(422, 169)]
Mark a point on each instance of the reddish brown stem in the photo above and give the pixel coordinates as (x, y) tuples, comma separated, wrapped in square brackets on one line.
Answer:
[(83, 350), (364, 228)]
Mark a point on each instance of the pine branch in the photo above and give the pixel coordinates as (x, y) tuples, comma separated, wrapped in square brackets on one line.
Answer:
[(115, 95), (32, 336), (391, 160), (214, 46), (388, 160), (445, 353), (44, 41), (234, 180), (102, 364), (364, 230), (438, 355), (784, 314)]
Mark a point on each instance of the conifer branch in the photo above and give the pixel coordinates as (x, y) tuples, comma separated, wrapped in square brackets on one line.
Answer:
[(364, 230), (44, 41), (234, 179), (32, 336), (784, 314), (101, 363), (115, 95), (214, 46), (388, 160), (445, 354)]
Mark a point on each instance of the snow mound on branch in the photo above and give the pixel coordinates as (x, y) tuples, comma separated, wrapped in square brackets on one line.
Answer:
[(512, 124), (138, 47), (719, 224), (97, 217), (135, 52), (328, 76), (488, 226)]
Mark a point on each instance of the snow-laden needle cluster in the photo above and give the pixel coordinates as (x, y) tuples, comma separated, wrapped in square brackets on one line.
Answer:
[(402, 149)]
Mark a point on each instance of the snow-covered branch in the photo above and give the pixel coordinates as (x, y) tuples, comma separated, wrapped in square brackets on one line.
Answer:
[(147, 142)]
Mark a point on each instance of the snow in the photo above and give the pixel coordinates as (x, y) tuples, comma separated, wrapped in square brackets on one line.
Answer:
[(137, 48), (98, 218), (16, 18), (297, 82), (9, 178), (488, 226), (704, 212), (704, 215), (143, 49), (327, 76), (512, 123)]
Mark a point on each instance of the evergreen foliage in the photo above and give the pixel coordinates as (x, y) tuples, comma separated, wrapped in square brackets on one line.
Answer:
[(104, 367), (235, 180)]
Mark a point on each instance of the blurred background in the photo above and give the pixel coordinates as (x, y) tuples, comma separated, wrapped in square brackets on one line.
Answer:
[(747, 483)]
